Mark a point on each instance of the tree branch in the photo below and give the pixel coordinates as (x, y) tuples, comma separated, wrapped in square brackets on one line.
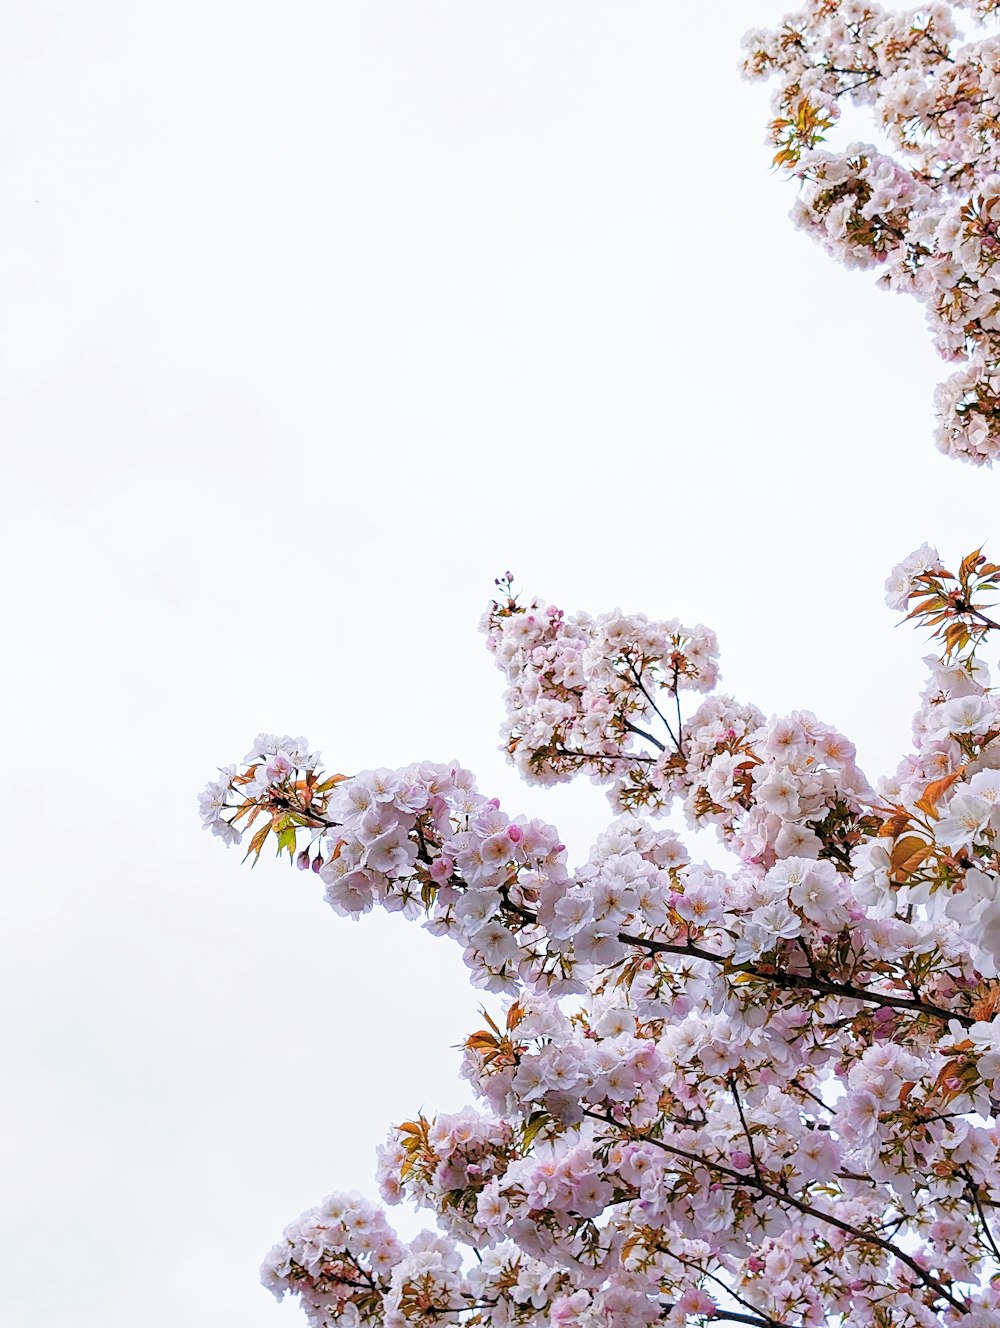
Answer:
[(782, 978), (782, 1197)]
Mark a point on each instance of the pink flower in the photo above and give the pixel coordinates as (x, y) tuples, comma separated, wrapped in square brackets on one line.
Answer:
[(696, 1301), (441, 869)]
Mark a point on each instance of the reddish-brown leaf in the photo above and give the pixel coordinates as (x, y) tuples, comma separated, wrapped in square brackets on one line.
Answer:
[(935, 791), (987, 1005)]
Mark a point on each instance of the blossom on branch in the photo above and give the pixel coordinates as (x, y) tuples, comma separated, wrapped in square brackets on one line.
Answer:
[(923, 204), (767, 1095)]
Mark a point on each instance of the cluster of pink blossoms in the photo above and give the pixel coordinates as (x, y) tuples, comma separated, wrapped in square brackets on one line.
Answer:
[(767, 1095), (338, 1257), (926, 203), (764, 785), (581, 687)]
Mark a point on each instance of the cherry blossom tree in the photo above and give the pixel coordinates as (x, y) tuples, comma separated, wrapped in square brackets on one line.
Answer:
[(765, 1096), (923, 203)]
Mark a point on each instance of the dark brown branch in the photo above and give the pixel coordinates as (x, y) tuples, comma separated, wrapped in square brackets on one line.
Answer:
[(973, 1192), (730, 1291), (641, 733), (782, 978), (782, 1197), (746, 1128), (674, 738)]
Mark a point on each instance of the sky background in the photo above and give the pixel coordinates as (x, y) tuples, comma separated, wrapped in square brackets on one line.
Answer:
[(314, 318)]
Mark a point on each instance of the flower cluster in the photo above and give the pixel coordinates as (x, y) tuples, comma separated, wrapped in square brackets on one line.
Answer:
[(925, 209), (788, 787), (337, 1258), (280, 781), (438, 1164), (583, 691), (768, 1095)]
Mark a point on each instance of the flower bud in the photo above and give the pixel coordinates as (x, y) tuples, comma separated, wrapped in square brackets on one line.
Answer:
[(441, 869)]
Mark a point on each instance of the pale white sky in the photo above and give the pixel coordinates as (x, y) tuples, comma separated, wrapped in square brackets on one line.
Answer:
[(314, 317)]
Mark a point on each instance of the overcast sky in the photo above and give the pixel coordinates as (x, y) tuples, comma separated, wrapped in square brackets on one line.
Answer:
[(314, 317)]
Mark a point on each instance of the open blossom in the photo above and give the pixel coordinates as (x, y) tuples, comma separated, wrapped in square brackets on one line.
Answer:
[(968, 816), (966, 714), (899, 584)]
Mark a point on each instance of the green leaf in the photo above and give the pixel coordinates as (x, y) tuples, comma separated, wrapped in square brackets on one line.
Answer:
[(534, 1124)]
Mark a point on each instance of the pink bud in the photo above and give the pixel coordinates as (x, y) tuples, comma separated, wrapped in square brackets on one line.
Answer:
[(740, 1160), (302, 861), (317, 862), (515, 834)]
